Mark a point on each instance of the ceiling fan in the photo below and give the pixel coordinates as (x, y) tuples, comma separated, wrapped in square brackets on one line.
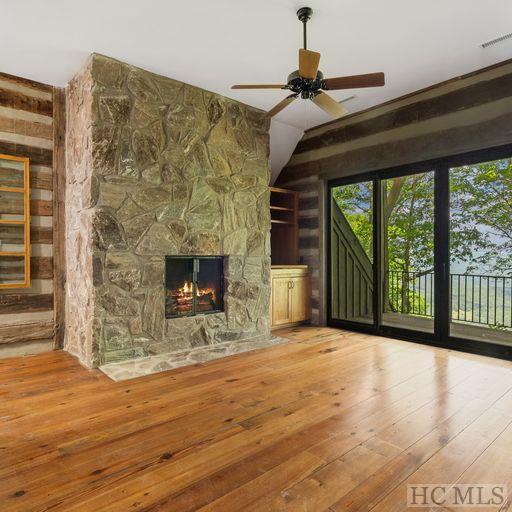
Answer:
[(309, 83)]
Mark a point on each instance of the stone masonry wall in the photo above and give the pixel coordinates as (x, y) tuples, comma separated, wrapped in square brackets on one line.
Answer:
[(79, 219), (169, 169)]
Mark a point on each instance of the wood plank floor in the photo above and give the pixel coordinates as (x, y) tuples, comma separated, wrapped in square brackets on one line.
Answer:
[(332, 421)]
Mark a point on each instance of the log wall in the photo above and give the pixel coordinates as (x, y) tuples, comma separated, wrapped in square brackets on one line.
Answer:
[(27, 316)]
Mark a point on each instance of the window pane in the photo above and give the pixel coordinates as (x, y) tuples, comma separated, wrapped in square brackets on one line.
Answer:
[(179, 288), (352, 252), (12, 238), (12, 205), (481, 251), (408, 241), (12, 173), (209, 285), (12, 270)]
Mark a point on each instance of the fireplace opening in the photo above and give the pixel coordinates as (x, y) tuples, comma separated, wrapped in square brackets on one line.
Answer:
[(193, 285)]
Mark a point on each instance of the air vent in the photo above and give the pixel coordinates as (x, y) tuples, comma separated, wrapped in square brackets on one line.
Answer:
[(497, 40), (347, 99)]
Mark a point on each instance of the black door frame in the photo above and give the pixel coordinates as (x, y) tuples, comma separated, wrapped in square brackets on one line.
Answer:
[(441, 336)]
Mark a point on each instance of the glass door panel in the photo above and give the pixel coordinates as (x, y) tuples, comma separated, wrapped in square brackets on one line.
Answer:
[(481, 251), (408, 252), (352, 253)]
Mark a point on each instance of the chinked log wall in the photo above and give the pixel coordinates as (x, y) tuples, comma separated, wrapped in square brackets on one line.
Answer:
[(31, 121), (464, 114)]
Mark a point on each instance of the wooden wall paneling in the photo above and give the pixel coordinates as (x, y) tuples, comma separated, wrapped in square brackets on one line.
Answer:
[(453, 101), (19, 101), (34, 331), (37, 156), (41, 235), (59, 180), (26, 130), (25, 302), (26, 82), (41, 207), (41, 267), (41, 181)]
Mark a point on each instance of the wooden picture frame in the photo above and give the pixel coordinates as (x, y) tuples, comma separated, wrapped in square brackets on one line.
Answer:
[(10, 219)]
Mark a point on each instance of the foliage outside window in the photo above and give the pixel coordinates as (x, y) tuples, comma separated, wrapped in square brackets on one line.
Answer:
[(480, 235)]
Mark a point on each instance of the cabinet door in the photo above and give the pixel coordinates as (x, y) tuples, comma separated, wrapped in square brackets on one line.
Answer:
[(300, 299), (281, 310)]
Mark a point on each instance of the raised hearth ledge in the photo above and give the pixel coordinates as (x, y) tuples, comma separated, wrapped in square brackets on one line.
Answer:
[(134, 368)]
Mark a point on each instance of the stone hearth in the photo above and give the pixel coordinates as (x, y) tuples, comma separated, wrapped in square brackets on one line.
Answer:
[(140, 367), (156, 167)]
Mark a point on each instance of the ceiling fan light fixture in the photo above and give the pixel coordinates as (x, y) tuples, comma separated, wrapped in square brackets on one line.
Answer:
[(309, 83)]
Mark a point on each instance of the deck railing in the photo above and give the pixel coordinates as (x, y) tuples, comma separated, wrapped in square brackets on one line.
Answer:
[(475, 298)]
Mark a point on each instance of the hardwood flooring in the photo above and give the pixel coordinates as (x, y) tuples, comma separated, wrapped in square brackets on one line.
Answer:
[(333, 421)]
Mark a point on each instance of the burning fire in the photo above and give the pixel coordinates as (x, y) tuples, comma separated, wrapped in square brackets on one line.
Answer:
[(186, 288), (186, 291)]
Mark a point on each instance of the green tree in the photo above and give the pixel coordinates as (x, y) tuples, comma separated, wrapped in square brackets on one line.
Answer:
[(481, 217)]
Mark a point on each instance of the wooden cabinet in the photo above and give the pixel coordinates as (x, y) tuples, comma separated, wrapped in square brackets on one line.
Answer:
[(281, 301), (290, 299)]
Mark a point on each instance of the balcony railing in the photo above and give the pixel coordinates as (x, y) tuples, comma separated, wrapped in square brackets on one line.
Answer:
[(475, 298)]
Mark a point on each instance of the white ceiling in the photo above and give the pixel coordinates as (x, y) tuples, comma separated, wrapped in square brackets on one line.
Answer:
[(214, 44)]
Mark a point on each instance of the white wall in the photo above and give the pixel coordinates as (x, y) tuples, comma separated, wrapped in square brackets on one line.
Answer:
[(283, 139)]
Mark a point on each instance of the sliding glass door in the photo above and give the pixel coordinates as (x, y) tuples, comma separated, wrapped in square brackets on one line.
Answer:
[(425, 252), (481, 251)]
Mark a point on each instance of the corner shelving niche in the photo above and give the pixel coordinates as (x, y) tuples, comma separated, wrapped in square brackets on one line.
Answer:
[(284, 206)]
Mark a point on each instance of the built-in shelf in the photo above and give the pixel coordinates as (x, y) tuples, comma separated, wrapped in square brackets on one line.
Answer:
[(284, 226), (277, 221), (281, 209)]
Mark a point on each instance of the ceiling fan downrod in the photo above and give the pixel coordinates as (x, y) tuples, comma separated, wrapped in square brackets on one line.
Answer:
[(304, 14), (308, 81)]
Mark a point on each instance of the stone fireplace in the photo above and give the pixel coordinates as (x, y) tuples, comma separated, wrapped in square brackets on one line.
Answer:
[(158, 168)]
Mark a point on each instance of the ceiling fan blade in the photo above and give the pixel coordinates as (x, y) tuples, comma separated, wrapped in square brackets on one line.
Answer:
[(258, 86), (282, 104), (329, 105), (308, 63), (354, 81)]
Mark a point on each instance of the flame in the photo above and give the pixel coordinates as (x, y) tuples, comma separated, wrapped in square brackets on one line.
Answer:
[(187, 289)]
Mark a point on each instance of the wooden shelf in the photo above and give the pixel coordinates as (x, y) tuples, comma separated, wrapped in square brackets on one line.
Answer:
[(284, 235), (281, 209), (285, 222), (282, 191), (12, 253)]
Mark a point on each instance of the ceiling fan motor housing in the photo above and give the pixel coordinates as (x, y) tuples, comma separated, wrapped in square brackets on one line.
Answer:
[(304, 86), (304, 14)]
